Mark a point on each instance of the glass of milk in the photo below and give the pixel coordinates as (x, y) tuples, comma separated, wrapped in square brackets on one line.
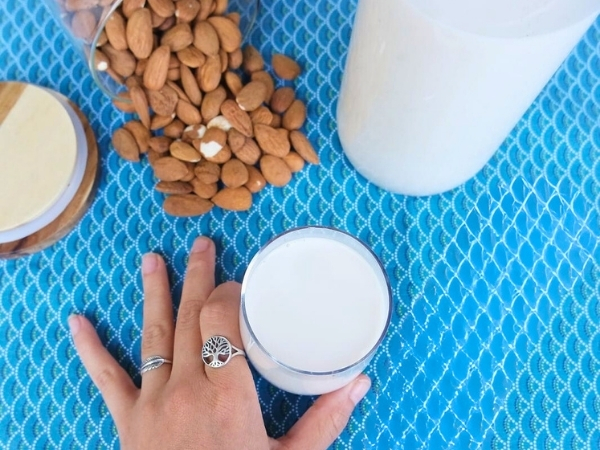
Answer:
[(316, 304), (433, 87)]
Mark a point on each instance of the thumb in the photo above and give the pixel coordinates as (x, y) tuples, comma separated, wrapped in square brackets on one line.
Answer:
[(327, 418)]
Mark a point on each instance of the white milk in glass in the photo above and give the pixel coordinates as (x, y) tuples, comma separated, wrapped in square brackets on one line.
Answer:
[(433, 87), (315, 306)]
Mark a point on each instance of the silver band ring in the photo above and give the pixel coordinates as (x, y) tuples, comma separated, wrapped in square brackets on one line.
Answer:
[(152, 363), (218, 351)]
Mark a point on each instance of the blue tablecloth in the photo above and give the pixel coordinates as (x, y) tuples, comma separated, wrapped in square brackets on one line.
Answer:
[(495, 337)]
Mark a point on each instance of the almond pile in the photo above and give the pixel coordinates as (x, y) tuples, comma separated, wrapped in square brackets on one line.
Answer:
[(211, 121)]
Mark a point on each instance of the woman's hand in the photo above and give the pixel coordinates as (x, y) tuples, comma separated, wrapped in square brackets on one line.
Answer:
[(187, 405)]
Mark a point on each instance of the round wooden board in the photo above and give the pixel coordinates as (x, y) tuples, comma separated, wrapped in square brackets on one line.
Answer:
[(69, 218)]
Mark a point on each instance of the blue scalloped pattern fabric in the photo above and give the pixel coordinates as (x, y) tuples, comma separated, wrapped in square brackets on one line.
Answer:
[(495, 336)]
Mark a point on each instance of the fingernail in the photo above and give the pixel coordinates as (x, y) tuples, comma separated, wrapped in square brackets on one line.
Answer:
[(149, 263), (200, 245), (360, 389), (74, 324)]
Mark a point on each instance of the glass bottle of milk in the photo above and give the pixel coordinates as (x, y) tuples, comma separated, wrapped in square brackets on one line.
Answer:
[(433, 87)]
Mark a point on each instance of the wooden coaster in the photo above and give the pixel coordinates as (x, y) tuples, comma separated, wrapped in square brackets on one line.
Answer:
[(71, 216)]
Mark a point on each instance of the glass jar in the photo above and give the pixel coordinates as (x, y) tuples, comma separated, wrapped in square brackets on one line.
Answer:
[(85, 22)]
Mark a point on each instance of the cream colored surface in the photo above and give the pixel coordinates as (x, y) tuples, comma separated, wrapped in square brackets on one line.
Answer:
[(38, 150)]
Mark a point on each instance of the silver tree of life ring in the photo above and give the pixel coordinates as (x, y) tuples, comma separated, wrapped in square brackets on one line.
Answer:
[(218, 351)]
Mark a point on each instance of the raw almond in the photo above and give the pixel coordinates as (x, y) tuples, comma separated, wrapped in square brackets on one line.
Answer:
[(190, 172), (282, 99), (253, 61), (140, 102), (303, 147), (164, 8), (157, 21), (184, 152), (204, 190), (262, 115), (235, 140), (220, 7), (160, 144), (240, 120), (224, 60), (132, 81), (235, 59), (275, 170), (140, 133), (141, 67), (191, 57), (159, 122), (178, 90), (211, 105), (272, 141), (251, 96), (186, 10), (125, 105), (126, 145), (267, 79), (276, 122), (249, 153), (121, 61), (115, 31), (238, 199), (294, 161), (140, 38), (188, 113), (234, 173), (295, 116), (235, 17), (206, 8), (163, 101), (212, 142), (167, 24), (174, 187), (190, 85), (174, 130), (207, 172), (130, 6), (206, 38), (222, 156), (209, 75), (188, 205), (256, 181), (193, 132), (178, 37), (83, 24), (285, 67), (170, 169), (153, 157), (233, 82), (157, 69), (219, 122), (174, 74), (228, 32)]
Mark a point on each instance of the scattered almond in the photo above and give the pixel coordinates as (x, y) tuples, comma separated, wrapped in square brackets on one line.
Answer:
[(184, 152), (234, 173), (140, 38), (251, 96), (186, 10), (240, 120), (159, 122), (211, 105), (294, 161), (228, 32), (170, 169), (249, 153), (130, 6), (190, 86), (115, 31), (237, 199), (160, 144), (295, 116), (164, 8), (126, 145), (163, 101), (178, 38), (140, 103), (188, 113), (157, 69), (303, 147), (235, 139), (206, 38), (253, 61), (204, 190), (285, 67), (140, 133), (233, 82), (282, 99), (193, 132), (256, 181), (121, 61), (262, 115), (267, 79), (219, 122), (275, 170), (209, 75), (174, 187), (191, 57), (236, 58), (174, 130), (186, 205), (272, 141), (207, 172)]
